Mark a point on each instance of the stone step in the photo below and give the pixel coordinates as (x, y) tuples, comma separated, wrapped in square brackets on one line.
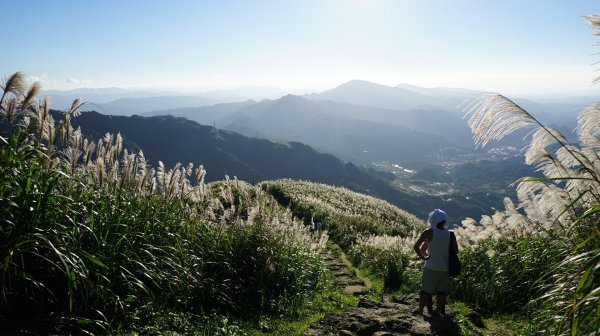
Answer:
[(350, 282)]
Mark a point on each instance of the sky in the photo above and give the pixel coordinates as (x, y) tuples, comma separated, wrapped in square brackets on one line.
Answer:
[(518, 47)]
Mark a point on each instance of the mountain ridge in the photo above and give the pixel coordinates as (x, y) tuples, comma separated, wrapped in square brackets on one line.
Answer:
[(171, 140)]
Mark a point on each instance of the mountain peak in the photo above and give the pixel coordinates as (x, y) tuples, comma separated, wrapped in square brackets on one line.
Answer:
[(290, 98), (359, 84)]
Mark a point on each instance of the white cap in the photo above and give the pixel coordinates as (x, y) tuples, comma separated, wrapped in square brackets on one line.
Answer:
[(437, 216)]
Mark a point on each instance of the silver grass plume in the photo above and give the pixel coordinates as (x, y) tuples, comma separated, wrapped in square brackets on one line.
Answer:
[(41, 116), (49, 133), (15, 84), (544, 202), (572, 157), (100, 149), (141, 173), (66, 129), (13, 87), (100, 172), (184, 182), (151, 186), (161, 175), (199, 190), (145, 175), (540, 140), (128, 168), (117, 148), (88, 151), (550, 166), (25, 122), (588, 126), (8, 109), (49, 130), (71, 158), (594, 22), (495, 116), (30, 96), (514, 218), (107, 154), (172, 179), (77, 138), (113, 176), (200, 174)]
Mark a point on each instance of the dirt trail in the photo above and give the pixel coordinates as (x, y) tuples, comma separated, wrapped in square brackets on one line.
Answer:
[(392, 316)]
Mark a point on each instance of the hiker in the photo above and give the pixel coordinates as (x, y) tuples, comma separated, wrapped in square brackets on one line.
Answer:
[(435, 273), (318, 226)]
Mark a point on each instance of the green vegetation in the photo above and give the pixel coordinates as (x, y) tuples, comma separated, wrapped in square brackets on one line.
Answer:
[(94, 240), (504, 276), (467, 189), (348, 215), (373, 233)]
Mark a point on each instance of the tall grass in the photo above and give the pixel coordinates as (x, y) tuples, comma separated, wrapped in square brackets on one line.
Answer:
[(562, 209), (386, 257), (376, 235), (92, 238), (506, 275)]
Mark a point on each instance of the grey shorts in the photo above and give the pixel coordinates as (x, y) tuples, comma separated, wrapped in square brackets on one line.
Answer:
[(435, 282)]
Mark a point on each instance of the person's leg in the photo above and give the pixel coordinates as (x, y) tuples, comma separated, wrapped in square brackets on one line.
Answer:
[(430, 304), (440, 299), (442, 289), (424, 299), (427, 288)]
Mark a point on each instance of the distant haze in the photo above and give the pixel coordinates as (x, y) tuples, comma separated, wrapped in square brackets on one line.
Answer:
[(520, 48), (119, 101)]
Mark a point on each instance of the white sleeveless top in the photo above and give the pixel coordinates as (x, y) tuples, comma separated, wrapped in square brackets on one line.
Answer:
[(438, 250)]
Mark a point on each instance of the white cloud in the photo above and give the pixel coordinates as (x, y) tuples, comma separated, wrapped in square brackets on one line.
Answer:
[(73, 80), (43, 78)]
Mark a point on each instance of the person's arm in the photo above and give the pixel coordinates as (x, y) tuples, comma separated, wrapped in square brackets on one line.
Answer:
[(454, 243), (416, 247)]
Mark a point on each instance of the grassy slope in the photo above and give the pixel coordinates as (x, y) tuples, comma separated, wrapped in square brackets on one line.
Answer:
[(357, 216)]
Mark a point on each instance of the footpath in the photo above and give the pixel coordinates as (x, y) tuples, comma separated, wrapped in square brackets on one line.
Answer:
[(390, 316)]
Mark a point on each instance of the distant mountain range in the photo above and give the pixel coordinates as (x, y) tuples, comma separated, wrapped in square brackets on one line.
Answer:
[(358, 121), (365, 122), (404, 97), (117, 101), (356, 133), (363, 131), (173, 140)]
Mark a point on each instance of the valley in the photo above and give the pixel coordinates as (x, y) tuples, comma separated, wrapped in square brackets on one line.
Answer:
[(408, 145), (415, 128)]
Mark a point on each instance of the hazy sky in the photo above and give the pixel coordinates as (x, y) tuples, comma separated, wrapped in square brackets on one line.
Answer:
[(511, 46)]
